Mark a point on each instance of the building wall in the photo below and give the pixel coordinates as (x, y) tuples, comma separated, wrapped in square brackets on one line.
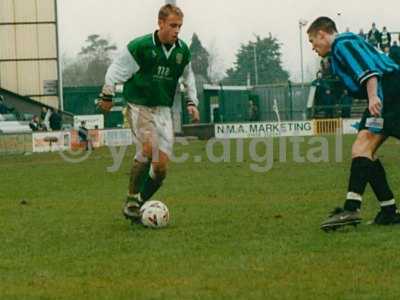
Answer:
[(28, 49)]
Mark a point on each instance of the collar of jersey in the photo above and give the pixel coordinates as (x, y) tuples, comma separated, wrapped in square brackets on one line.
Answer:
[(157, 42)]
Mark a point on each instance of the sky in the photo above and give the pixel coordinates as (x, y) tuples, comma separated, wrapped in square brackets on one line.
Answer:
[(223, 25)]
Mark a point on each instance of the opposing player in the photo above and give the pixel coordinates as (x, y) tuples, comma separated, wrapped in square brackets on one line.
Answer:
[(150, 67), (367, 74)]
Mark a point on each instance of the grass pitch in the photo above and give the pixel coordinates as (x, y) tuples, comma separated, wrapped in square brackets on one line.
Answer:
[(234, 233)]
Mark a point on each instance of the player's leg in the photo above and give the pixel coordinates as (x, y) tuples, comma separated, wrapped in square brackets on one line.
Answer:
[(140, 121), (155, 177), (140, 167), (161, 152), (388, 213), (144, 132), (146, 179), (362, 168), (137, 174), (136, 179), (379, 183), (153, 132)]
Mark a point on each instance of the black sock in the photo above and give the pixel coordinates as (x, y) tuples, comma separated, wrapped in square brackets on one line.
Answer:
[(149, 187), (381, 188), (359, 176)]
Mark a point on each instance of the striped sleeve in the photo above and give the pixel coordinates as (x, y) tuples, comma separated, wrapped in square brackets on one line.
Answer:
[(359, 62)]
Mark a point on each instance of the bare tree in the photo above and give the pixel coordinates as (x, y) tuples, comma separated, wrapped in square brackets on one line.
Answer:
[(216, 69), (90, 66)]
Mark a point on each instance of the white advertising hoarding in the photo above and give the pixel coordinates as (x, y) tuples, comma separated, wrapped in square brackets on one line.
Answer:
[(51, 141), (91, 121), (117, 137), (261, 130), (350, 126)]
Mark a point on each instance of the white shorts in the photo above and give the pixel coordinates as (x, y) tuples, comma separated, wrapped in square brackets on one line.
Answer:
[(152, 125)]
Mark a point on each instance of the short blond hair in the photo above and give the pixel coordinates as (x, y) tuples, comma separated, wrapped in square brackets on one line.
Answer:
[(169, 9)]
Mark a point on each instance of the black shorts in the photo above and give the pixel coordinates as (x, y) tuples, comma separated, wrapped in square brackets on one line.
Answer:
[(391, 106)]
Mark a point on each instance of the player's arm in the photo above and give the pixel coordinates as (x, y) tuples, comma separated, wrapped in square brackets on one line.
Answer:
[(362, 68), (122, 69), (188, 80), (374, 102)]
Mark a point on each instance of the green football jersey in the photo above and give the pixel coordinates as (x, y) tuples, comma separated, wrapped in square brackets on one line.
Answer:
[(155, 83)]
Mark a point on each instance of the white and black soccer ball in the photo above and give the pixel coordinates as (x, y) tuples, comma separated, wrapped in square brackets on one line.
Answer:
[(155, 214)]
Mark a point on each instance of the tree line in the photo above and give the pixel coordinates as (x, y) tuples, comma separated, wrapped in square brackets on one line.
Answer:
[(256, 62)]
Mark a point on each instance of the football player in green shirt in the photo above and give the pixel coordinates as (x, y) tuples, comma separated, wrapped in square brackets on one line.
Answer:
[(150, 68)]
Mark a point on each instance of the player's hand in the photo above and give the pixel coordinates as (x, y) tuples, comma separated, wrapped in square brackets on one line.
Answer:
[(194, 113), (108, 90), (104, 102), (104, 105), (375, 106)]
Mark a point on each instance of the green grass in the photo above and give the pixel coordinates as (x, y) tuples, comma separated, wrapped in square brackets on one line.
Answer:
[(234, 233)]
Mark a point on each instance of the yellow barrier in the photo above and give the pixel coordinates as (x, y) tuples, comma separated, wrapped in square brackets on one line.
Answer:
[(15, 143), (328, 126)]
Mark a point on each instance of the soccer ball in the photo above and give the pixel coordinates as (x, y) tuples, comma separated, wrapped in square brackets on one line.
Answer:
[(155, 214)]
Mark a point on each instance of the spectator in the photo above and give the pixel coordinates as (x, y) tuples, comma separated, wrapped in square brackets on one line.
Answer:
[(362, 35), (385, 40), (44, 118), (324, 98), (3, 107), (43, 114), (394, 53), (34, 124), (253, 111), (216, 115), (346, 102), (83, 134), (55, 120), (328, 101), (325, 68), (386, 50), (374, 36)]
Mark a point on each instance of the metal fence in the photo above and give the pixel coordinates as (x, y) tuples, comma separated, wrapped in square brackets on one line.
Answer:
[(284, 102), (81, 101), (287, 100)]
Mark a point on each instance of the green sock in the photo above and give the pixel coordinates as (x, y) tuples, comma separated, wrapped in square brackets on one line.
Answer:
[(150, 187), (143, 177), (138, 175)]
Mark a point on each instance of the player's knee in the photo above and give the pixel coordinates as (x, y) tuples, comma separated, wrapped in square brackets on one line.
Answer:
[(358, 151), (159, 171), (147, 151), (361, 148), (366, 144)]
